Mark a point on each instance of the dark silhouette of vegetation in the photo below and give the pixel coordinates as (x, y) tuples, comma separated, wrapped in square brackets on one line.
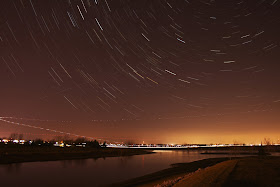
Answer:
[(93, 144), (104, 145), (80, 140), (267, 141), (37, 142), (129, 142), (16, 136), (67, 139), (62, 141)]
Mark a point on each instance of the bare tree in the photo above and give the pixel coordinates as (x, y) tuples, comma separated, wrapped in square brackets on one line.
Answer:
[(14, 136), (80, 140), (129, 142), (20, 136), (267, 141), (67, 139), (59, 138)]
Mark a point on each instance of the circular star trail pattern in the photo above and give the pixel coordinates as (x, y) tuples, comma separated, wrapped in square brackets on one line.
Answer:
[(119, 60)]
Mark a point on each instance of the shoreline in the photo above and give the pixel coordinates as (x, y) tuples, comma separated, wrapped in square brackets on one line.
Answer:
[(223, 171), (30, 154), (247, 171), (174, 171)]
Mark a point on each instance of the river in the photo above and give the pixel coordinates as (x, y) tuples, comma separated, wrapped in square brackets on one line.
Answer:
[(93, 172)]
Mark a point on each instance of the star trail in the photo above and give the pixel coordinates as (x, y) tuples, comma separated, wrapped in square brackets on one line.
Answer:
[(187, 70)]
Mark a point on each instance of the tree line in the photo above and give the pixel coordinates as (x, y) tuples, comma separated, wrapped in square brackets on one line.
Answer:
[(58, 139)]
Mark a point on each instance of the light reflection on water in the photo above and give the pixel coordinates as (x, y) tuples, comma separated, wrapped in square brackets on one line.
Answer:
[(93, 172)]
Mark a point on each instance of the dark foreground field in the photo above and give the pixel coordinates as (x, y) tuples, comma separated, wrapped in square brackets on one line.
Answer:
[(258, 171), (223, 172), (17, 154)]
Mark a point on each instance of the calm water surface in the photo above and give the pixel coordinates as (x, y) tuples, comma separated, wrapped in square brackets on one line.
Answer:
[(93, 172)]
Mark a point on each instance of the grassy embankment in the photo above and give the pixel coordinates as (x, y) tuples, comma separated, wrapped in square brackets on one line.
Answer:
[(220, 172), (18, 154), (257, 171), (175, 171)]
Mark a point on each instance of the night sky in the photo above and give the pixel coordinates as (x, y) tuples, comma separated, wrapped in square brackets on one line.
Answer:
[(158, 71)]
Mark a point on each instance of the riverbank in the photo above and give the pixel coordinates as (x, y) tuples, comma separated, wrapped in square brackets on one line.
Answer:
[(247, 171), (254, 171), (10, 155), (172, 173)]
